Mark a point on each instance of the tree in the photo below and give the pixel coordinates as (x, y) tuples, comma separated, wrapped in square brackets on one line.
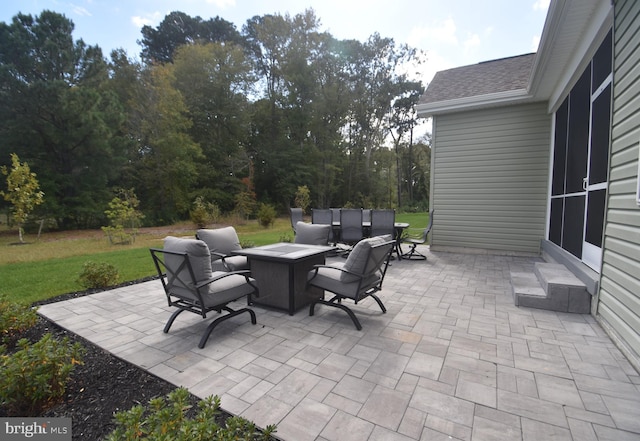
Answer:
[(214, 80), (56, 114), (164, 169), (23, 191), (179, 29)]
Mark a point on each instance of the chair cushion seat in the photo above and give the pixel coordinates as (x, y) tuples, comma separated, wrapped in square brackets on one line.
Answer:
[(227, 289), (234, 263), (330, 278)]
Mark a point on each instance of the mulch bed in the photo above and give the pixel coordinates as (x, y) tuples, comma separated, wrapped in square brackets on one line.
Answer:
[(102, 386)]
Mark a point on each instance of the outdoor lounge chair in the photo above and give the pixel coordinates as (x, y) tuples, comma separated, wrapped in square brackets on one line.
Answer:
[(312, 234), (184, 267), (360, 276), (221, 243), (414, 254)]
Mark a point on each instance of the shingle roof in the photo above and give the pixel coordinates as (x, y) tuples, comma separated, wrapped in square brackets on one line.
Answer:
[(483, 78)]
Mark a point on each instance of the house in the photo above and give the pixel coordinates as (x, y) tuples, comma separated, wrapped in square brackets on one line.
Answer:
[(538, 155)]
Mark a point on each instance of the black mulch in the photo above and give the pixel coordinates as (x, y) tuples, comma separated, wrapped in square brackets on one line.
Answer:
[(103, 385)]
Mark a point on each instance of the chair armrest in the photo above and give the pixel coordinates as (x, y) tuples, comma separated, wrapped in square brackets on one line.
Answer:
[(317, 267), (223, 274), (220, 255)]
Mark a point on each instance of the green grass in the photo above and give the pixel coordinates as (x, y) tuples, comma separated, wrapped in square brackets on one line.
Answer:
[(50, 266)]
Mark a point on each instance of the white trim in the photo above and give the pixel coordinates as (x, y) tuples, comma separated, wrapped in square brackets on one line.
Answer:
[(469, 103)]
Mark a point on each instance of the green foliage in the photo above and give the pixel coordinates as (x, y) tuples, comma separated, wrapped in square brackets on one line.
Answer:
[(23, 191), (266, 215), (98, 275), (203, 213), (166, 419), (124, 217), (35, 376), (14, 319), (303, 198), (245, 203)]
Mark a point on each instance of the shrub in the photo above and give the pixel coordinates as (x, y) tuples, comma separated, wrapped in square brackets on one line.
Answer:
[(303, 198), (35, 376), (166, 419), (267, 215), (98, 275), (14, 319), (204, 212)]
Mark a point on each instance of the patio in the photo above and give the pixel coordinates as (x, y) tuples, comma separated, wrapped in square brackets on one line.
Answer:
[(453, 358)]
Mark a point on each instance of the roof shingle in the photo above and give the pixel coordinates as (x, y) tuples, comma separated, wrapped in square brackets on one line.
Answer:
[(483, 78)]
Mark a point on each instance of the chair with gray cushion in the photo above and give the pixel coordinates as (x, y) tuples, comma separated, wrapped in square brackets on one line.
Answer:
[(312, 234), (222, 242), (184, 268), (359, 277)]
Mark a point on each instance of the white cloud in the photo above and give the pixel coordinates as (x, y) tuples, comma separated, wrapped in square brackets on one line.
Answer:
[(80, 10), (535, 42), (541, 5), (472, 42), (444, 32), (222, 4), (148, 20)]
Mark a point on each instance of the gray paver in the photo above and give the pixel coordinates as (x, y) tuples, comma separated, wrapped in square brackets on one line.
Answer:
[(453, 358)]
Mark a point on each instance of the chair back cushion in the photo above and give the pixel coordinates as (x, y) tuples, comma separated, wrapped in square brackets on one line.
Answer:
[(358, 259), (221, 240), (312, 234), (199, 258)]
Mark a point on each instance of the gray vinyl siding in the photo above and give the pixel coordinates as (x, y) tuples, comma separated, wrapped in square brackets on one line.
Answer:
[(619, 296), (490, 181)]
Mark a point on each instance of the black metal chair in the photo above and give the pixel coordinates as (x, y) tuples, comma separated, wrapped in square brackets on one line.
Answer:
[(415, 240), (351, 230), (324, 216), (359, 277), (184, 268), (382, 222), (222, 242), (296, 216)]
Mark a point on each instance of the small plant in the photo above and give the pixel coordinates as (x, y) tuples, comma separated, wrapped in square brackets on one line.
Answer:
[(14, 319), (98, 275), (204, 212), (167, 419), (303, 198), (35, 377), (124, 218), (266, 215)]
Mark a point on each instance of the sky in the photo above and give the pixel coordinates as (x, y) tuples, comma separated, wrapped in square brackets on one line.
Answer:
[(451, 33)]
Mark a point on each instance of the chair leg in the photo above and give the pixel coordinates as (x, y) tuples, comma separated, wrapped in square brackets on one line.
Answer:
[(337, 304), (379, 302), (413, 254), (172, 319), (232, 313)]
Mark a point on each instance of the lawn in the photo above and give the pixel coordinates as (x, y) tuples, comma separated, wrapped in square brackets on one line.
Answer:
[(50, 265)]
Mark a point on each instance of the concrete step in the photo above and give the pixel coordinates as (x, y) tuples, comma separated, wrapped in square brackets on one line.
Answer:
[(551, 286)]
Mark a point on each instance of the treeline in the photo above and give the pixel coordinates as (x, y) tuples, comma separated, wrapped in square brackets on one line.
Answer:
[(230, 117)]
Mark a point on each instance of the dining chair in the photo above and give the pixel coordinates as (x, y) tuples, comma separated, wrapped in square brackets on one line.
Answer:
[(382, 222), (323, 216), (351, 230)]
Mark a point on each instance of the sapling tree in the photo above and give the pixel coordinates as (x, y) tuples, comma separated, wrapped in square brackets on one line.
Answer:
[(23, 191)]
